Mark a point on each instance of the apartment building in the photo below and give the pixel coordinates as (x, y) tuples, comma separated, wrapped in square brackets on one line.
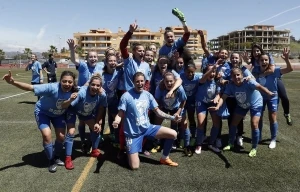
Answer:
[(100, 39), (271, 39)]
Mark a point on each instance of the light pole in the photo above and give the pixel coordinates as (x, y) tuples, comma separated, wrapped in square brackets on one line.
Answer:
[(239, 32)]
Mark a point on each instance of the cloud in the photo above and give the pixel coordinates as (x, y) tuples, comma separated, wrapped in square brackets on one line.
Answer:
[(41, 33)]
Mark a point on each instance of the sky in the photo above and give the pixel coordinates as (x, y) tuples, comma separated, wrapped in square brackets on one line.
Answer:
[(37, 24)]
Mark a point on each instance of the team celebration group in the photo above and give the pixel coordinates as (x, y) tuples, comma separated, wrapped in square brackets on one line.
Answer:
[(137, 90)]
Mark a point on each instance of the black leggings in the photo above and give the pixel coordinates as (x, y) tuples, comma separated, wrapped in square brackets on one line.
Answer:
[(283, 96), (231, 105)]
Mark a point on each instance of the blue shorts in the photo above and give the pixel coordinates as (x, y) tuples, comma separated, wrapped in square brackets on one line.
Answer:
[(253, 111), (173, 111), (272, 105), (201, 107), (43, 121), (134, 145)]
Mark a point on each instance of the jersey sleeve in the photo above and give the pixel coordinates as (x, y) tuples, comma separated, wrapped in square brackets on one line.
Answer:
[(123, 102), (252, 83), (45, 89), (157, 93), (182, 95), (177, 76), (39, 66), (153, 103), (81, 67)]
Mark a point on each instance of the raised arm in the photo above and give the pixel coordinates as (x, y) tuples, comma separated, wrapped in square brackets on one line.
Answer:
[(203, 43), (285, 56), (10, 80), (261, 88), (208, 73), (72, 48), (124, 41), (181, 17)]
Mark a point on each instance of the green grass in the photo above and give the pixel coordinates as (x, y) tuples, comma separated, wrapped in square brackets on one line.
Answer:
[(23, 165)]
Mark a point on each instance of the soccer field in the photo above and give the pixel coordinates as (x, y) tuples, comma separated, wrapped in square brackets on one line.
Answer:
[(23, 164)]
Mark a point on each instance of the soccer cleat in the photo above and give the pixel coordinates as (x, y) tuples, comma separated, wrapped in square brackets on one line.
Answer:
[(95, 153), (198, 150), (188, 151), (178, 14), (272, 144), (252, 153), (214, 149), (218, 143), (68, 163), (239, 141), (228, 147), (59, 162), (174, 146), (169, 162), (52, 166), (288, 119)]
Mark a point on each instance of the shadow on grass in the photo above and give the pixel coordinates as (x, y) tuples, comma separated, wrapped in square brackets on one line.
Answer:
[(27, 102)]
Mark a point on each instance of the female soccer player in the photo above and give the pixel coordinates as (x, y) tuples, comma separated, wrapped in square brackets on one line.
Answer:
[(256, 51), (171, 45), (111, 77), (48, 109), (270, 82), (207, 95), (248, 98), (173, 105), (87, 104), (190, 81), (36, 68), (133, 107)]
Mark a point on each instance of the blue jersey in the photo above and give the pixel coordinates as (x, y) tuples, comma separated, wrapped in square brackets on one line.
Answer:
[(170, 50), (131, 67), (157, 77), (35, 67), (190, 86), (246, 94), (207, 91), (52, 96), (245, 71), (85, 104), (85, 71), (180, 71), (110, 83), (173, 102), (136, 106), (270, 82)]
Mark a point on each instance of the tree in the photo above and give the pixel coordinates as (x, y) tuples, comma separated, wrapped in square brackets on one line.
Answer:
[(27, 52), (52, 49), (256, 40), (79, 51), (2, 56), (45, 55), (63, 50), (231, 45)]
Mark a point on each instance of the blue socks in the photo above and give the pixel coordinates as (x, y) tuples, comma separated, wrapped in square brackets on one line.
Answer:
[(95, 137), (200, 135), (167, 147), (255, 138), (273, 130), (187, 136), (69, 144), (48, 150)]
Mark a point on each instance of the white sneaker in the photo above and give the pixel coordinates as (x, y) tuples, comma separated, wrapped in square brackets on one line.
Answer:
[(218, 143), (198, 150), (272, 144), (214, 149), (239, 141)]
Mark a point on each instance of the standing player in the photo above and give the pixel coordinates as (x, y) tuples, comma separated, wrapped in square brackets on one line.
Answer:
[(36, 68), (134, 107), (171, 45), (48, 109)]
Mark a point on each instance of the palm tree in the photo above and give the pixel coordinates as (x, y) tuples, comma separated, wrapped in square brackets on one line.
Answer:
[(79, 51), (27, 52), (45, 54), (52, 49), (63, 50), (2, 56)]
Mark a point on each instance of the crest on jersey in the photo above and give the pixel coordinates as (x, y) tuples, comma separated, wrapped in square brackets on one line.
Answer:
[(88, 107), (241, 97), (169, 102), (141, 106), (59, 102), (189, 87), (211, 91)]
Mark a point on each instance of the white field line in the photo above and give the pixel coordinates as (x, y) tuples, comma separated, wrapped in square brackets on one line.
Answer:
[(14, 95)]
